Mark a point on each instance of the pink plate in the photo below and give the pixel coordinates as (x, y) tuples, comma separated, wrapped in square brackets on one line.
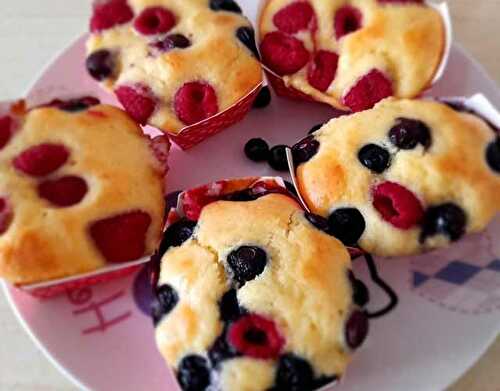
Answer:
[(449, 311)]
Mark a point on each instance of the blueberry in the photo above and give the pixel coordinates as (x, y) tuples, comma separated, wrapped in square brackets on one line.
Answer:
[(375, 158), (318, 221), (360, 293), (173, 41), (171, 199), (356, 329), (177, 234), (291, 188), (221, 350), (225, 5), (493, 155), (446, 219), (294, 374), (247, 262), (246, 35), (347, 225), (100, 64), (263, 98), (408, 133), (241, 196), (277, 158), (193, 373), (229, 307), (165, 300), (257, 149), (304, 150), (315, 128), (75, 105)]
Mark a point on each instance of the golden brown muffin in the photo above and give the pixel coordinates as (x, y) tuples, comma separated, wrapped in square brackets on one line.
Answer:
[(402, 178), (173, 63), (253, 295), (351, 54), (80, 188)]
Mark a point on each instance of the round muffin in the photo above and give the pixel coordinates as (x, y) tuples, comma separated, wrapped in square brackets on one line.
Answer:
[(173, 63), (402, 178), (253, 296), (352, 54), (80, 188)]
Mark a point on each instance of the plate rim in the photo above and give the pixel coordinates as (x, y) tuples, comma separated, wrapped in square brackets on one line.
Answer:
[(68, 374)]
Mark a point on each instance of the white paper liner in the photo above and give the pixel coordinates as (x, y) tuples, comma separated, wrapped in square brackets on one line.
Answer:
[(187, 128), (107, 269), (444, 11), (479, 104)]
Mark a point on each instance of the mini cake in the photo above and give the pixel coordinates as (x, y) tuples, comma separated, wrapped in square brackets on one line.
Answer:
[(80, 188), (255, 296), (173, 63), (402, 178), (352, 54)]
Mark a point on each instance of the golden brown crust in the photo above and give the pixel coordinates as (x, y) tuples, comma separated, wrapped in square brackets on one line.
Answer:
[(304, 288), (110, 152), (404, 41), (215, 56), (453, 169)]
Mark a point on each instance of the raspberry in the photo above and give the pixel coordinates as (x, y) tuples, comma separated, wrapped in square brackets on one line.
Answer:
[(322, 70), (397, 205), (294, 17), (137, 101), (154, 20), (5, 215), (121, 238), (348, 19), (110, 13), (41, 159), (194, 102), (194, 200), (63, 192), (368, 90), (5, 130), (255, 336), (285, 55)]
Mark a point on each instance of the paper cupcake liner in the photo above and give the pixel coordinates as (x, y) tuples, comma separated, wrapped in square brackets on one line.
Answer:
[(54, 288), (286, 91), (160, 148), (194, 134)]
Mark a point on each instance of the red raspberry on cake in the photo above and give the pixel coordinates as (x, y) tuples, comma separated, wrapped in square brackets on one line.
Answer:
[(368, 51), (173, 64), (82, 189)]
